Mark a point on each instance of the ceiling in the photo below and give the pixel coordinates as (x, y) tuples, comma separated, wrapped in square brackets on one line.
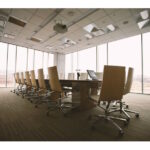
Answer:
[(40, 23)]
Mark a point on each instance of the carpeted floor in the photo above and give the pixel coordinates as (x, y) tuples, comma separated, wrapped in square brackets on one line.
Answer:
[(21, 121)]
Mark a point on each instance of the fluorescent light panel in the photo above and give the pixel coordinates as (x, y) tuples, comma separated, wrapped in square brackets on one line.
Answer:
[(143, 23), (111, 27), (144, 14), (9, 36)]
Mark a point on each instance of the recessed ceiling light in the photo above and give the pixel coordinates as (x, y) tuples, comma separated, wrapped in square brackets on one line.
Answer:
[(143, 23), (2, 23), (35, 39), (9, 36), (144, 14), (16, 21), (111, 27)]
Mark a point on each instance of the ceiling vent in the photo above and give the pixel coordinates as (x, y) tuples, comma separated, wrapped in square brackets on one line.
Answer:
[(16, 21), (35, 40), (60, 28), (10, 36)]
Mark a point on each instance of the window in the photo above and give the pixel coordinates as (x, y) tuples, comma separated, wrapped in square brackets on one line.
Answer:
[(68, 64), (127, 52), (21, 59), (11, 65), (146, 63), (3, 62), (30, 59), (45, 64), (38, 61), (51, 60), (101, 57), (87, 59)]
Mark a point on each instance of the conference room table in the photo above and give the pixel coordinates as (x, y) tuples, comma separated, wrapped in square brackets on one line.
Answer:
[(81, 90)]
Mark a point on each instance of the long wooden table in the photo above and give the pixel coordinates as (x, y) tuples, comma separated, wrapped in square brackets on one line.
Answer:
[(80, 90)]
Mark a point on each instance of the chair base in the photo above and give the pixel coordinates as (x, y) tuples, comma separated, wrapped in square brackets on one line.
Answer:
[(124, 111), (110, 119)]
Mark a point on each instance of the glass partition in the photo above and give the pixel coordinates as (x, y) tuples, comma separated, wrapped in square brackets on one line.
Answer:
[(11, 65), (127, 52), (30, 59), (3, 64)]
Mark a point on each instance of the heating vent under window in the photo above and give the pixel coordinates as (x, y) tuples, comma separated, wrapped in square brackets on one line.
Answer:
[(35, 39), (16, 21)]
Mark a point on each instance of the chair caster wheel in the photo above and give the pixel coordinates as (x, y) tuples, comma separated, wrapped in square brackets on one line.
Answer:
[(93, 128), (127, 106), (121, 133), (137, 115)]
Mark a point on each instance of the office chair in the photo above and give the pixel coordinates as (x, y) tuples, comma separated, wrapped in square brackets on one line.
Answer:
[(18, 81), (57, 93), (123, 108), (83, 76), (15, 89), (111, 90), (43, 93)]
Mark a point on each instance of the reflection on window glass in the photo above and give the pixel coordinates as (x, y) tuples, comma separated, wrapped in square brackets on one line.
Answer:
[(45, 64), (38, 61), (11, 65), (21, 59), (127, 52), (87, 59), (68, 64), (3, 60), (51, 60), (146, 62), (30, 59), (101, 57)]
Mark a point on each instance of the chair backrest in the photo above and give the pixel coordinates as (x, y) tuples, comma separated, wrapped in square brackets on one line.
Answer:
[(41, 80), (129, 81), (71, 76), (22, 78), (99, 75), (113, 83), (17, 78), (54, 79), (33, 80), (27, 76), (83, 76)]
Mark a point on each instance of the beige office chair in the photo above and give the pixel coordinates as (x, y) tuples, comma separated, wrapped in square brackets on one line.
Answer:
[(83, 76), (127, 89), (33, 80), (70, 76), (112, 90), (58, 94)]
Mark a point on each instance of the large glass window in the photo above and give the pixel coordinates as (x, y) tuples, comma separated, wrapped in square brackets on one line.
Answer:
[(87, 59), (30, 59), (127, 52), (51, 60), (101, 57), (45, 64), (38, 61), (11, 65), (21, 59), (3, 62), (146, 62), (68, 64)]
